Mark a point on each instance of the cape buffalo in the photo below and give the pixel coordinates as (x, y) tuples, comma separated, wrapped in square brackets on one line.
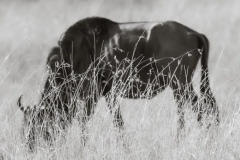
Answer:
[(98, 57)]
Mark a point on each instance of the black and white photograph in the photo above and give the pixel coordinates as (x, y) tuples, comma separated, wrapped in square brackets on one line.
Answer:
[(119, 80)]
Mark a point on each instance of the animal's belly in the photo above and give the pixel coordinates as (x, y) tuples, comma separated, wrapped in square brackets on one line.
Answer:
[(140, 86), (143, 91), (134, 79)]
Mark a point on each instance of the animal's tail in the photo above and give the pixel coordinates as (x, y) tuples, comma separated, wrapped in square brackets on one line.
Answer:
[(205, 89), (205, 84)]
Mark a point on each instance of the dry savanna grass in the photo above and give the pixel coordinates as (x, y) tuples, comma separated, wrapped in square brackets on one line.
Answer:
[(29, 28)]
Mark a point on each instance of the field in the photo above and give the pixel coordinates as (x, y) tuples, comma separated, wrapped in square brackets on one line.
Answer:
[(30, 28)]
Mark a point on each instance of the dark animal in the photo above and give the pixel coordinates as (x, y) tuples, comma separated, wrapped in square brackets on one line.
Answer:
[(98, 57)]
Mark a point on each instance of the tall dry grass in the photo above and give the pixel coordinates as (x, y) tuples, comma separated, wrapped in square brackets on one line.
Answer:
[(30, 28)]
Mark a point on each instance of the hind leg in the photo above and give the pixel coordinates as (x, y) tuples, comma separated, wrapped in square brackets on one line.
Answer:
[(184, 94), (196, 107), (209, 105)]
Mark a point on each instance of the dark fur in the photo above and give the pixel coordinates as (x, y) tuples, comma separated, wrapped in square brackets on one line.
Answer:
[(159, 59)]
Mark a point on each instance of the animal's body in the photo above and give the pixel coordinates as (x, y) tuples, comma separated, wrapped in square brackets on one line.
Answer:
[(132, 60)]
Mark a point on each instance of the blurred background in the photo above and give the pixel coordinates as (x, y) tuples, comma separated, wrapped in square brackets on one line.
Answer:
[(30, 28)]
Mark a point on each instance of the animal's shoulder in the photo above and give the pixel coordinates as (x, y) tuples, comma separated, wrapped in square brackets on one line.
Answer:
[(95, 25)]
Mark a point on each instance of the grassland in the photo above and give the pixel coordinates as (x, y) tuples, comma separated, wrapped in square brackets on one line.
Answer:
[(30, 28)]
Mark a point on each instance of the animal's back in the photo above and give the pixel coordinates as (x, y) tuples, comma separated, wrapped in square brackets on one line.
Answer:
[(170, 44)]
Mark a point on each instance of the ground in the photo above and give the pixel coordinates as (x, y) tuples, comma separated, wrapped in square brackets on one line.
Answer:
[(29, 28)]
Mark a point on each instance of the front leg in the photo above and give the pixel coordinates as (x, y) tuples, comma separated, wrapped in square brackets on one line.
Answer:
[(118, 122), (113, 104), (88, 111)]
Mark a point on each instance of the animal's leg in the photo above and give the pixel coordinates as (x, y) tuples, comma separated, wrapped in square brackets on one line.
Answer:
[(87, 113), (180, 98), (209, 105), (114, 104), (195, 105), (31, 140), (118, 122), (183, 95)]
